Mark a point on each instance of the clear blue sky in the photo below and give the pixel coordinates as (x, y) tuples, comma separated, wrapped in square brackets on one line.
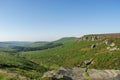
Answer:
[(38, 20)]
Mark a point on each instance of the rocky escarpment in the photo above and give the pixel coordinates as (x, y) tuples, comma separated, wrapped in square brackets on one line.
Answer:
[(105, 38), (80, 74), (95, 37), (92, 37)]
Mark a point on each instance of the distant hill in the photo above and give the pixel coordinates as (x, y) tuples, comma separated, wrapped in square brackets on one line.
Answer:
[(13, 43), (41, 45), (44, 43), (65, 40), (37, 44)]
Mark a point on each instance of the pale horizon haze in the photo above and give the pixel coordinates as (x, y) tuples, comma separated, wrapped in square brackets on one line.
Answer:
[(49, 20)]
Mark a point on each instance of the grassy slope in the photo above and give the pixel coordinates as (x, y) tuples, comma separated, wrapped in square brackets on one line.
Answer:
[(74, 52), (6, 49), (6, 75), (20, 66), (65, 40)]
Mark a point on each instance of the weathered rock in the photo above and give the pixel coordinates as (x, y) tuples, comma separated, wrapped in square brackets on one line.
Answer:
[(93, 46), (112, 44), (108, 42), (108, 48), (114, 49), (78, 74), (92, 37), (84, 38)]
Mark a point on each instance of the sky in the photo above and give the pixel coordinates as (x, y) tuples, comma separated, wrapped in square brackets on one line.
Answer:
[(49, 20)]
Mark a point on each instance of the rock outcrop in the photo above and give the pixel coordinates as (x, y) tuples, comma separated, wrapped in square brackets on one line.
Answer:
[(92, 37), (93, 46), (79, 74), (95, 37), (111, 46)]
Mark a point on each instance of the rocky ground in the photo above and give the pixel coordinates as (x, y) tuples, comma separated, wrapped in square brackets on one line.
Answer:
[(80, 74)]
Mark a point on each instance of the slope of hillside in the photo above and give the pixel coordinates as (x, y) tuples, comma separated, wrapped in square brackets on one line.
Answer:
[(75, 52), (37, 44), (20, 66), (7, 75), (65, 40), (32, 61)]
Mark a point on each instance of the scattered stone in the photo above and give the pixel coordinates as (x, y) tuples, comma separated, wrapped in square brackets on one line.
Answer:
[(108, 42), (112, 44), (114, 49), (118, 48), (93, 46), (108, 48)]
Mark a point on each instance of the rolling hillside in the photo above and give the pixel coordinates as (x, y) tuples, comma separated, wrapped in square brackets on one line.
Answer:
[(33, 60), (11, 64), (76, 51)]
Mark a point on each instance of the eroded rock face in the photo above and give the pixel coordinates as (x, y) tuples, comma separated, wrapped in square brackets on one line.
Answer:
[(78, 74), (111, 45), (92, 37)]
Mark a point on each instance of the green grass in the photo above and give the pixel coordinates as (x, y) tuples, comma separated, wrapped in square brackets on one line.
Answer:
[(21, 66), (86, 75), (3, 77), (74, 53), (7, 50)]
